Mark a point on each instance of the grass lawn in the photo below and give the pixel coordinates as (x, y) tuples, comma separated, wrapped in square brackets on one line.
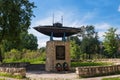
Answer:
[(11, 76), (79, 64), (32, 61), (2, 79), (115, 78)]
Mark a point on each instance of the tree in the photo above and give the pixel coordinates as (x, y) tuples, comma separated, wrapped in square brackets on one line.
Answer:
[(118, 39), (75, 39), (90, 42), (28, 41), (110, 42), (75, 47), (7, 45), (15, 17)]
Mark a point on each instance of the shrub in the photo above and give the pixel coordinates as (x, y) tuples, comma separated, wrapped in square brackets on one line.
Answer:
[(25, 55), (78, 64), (10, 75), (14, 54)]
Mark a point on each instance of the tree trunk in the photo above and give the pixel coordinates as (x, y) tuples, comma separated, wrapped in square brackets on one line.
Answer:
[(89, 56), (1, 58), (1, 38)]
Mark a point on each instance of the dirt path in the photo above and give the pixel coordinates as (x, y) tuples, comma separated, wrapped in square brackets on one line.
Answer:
[(42, 75)]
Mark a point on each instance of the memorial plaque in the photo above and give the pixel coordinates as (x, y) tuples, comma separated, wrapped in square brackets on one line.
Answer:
[(60, 52)]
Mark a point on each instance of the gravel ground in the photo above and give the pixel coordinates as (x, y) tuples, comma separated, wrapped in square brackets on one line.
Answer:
[(42, 75)]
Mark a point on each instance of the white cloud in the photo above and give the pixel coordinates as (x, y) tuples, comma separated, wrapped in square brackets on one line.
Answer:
[(118, 31), (100, 34), (46, 21), (119, 8), (102, 26), (101, 29), (87, 16), (42, 42)]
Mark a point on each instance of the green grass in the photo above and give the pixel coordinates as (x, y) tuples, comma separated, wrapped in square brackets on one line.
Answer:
[(79, 64), (11, 76), (73, 64), (32, 61), (2, 79), (115, 78)]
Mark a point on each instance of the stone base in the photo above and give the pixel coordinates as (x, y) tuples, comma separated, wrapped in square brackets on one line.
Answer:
[(57, 52)]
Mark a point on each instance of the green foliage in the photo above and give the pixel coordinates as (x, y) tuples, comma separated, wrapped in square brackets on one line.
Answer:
[(110, 42), (7, 46), (75, 39), (90, 42), (80, 64), (10, 75), (87, 46), (13, 55), (2, 79), (75, 50), (113, 78), (15, 17), (74, 47), (25, 56), (28, 41)]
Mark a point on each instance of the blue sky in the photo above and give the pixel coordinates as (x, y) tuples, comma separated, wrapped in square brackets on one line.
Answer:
[(103, 14)]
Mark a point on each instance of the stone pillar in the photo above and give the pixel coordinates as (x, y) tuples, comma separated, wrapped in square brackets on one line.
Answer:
[(57, 52)]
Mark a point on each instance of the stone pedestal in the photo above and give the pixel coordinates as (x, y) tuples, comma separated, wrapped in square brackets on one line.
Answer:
[(57, 52)]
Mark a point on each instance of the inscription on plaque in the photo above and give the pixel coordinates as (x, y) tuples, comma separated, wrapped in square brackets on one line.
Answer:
[(60, 52)]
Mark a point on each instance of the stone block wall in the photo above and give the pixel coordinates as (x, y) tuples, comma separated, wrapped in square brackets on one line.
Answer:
[(15, 64), (97, 70), (51, 54), (112, 60), (13, 71)]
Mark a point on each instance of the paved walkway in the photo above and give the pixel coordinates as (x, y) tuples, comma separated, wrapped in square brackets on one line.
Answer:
[(42, 75)]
